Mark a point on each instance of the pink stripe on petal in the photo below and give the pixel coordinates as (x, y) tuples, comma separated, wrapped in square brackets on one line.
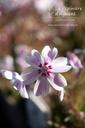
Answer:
[(76, 64), (20, 87), (52, 53), (30, 75), (17, 83), (29, 72), (49, 54), (41, 86), (60, 80), (35, 59), (31, 80), (23, 92), (57, 81)]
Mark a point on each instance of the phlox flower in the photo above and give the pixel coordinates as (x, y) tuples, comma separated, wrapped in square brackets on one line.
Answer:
[(45, 69), (74, 61), (16, 80)]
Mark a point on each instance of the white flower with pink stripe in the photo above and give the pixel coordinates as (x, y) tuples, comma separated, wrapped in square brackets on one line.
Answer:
[(16, 80), (45, 69)]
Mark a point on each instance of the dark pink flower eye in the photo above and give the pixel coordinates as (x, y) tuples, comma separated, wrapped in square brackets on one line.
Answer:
[(48, 73), (39, 71), (45, 63), (40, 65), (43, 74), (50, 67)]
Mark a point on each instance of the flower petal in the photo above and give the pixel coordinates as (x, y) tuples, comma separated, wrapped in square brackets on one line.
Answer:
[(49, 54), (76, 64), (60, 65), (41, 86), (53, 53), (61, 69), (61, 95), (30, 75), (74, 61), (60, 61), (35, 59), (7, 74), (18, 85), (23, 92), (57, 81)]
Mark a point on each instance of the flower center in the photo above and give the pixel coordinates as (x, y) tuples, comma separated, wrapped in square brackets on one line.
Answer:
[(45, 69)]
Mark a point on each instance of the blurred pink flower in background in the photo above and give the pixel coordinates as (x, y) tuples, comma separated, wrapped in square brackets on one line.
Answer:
[(7, 62), (74, 61), (21, 52), (80, 53), (13, 4)]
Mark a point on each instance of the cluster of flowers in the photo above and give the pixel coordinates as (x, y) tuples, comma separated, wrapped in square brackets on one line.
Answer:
[(44, 69)]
